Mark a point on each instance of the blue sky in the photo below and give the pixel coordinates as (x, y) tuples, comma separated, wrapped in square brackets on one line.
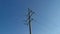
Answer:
[(46, 18)]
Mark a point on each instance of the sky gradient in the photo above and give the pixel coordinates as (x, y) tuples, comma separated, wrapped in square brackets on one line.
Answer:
[(46, 17)]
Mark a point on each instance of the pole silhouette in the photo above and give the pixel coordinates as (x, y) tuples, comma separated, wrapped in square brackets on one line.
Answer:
[(29, 20)]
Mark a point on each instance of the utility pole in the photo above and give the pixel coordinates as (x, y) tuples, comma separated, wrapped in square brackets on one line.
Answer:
[(29, 20)]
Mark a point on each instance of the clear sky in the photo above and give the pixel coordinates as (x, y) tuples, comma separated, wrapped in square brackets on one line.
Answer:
[(46, 18)]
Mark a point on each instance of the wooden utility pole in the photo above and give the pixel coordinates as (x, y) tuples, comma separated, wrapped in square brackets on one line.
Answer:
[(29, 20)]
